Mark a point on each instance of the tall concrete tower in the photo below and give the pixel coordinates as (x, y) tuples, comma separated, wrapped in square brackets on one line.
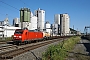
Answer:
[(63, 21), (57, 24), (64, 24), (25, 17), (40, 19), (57, 19)]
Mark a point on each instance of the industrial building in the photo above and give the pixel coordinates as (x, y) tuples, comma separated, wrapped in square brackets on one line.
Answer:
[(25, 25), (1, 23), (64, 24), (25, 15), (40, 19), (27, 19), (16, 22), (5, 22), (6, 30), (56, 25), (33, 23), (57, 19), (48, 27), (30, 21), (36, 21), (55, 29), (63, 21)]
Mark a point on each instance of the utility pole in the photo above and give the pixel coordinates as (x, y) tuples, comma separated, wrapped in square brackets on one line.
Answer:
[(73, 29), (52, 29), (77, 31), (6, 24)]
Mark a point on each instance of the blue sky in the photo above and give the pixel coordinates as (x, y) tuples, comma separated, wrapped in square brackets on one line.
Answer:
[(78, 10)]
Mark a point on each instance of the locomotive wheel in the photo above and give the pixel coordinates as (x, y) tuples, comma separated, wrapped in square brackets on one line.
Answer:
[(26, 42), (14, 43), (29, 42)]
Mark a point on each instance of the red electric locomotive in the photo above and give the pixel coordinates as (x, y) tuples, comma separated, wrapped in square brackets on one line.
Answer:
[(25, 36)]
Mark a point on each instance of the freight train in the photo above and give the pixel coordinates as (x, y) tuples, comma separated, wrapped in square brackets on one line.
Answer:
[(26, 36)]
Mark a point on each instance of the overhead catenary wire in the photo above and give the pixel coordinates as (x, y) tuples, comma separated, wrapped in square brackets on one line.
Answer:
[(7, 8), (24, 2), (5, 15), (9, 5)]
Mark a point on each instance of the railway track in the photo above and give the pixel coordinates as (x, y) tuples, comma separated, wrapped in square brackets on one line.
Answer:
[(7, 47), (12, 53), (2, 42)]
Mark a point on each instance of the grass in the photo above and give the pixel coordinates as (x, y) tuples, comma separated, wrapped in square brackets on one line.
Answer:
[(6, 39), (59, 51)]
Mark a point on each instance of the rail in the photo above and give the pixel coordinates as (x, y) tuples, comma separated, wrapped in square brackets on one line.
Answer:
[(13, 53)]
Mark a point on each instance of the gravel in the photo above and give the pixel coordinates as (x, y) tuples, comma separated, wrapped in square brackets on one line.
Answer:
[(81, 51), (33, 54)]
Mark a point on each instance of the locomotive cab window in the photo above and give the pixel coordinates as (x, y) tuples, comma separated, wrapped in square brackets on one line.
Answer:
[(18, 32)]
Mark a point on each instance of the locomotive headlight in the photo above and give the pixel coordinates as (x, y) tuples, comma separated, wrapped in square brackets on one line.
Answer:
[(20, 36), (14, 36)]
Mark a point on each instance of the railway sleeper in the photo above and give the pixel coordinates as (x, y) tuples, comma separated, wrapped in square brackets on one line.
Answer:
[(6, 57)]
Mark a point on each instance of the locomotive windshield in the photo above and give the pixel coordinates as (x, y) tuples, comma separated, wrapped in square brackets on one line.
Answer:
[(18, 32)]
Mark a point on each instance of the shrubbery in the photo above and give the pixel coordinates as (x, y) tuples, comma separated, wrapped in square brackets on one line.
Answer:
[(60, 51), (6, 39)]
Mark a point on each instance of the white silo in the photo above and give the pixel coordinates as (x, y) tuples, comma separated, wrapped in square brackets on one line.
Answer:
[(48, 27), (40, 19), (64, 24), (57, 19), (33, 23)]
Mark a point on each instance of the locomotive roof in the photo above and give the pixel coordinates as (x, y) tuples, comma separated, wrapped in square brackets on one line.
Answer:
[(33, 31), (28, 30)]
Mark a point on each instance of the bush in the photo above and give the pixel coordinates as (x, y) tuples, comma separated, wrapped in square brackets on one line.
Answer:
[(6, 39), (59, 52)]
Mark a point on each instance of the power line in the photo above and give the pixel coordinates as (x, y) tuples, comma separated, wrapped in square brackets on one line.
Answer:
[(24, 2), (9, 5), (29, 6), (7, 8), (1, 14), (5, 15)]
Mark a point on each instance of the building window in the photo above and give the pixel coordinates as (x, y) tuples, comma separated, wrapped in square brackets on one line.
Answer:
[(39, 11), (1, 23)]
